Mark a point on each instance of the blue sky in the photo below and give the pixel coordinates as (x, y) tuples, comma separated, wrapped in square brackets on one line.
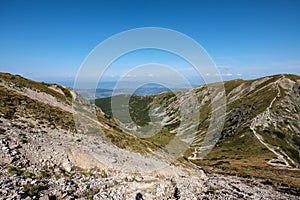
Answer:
[(48, 40)]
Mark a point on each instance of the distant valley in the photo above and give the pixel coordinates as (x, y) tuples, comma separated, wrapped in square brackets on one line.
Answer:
[(107, 89)]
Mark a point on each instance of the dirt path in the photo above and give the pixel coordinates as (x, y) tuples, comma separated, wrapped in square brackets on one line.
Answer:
[(282, 157)]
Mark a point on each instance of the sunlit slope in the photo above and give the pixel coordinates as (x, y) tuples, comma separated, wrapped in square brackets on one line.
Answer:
[(261, 132), (42, 105)]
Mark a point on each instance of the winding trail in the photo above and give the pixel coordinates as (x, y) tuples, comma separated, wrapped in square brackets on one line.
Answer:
[(282, 158)]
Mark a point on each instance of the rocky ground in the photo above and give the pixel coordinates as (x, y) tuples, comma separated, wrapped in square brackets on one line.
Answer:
[(38, 164)]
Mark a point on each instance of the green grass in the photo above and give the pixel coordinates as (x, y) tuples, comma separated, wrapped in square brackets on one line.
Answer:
[(125, 141), (19, 172), (31, 189), (21, 82), (28, 174), (43, 174), (138, 108), (162, 138), (247, 157), (230, 85), (14, 170), (13, 104), (292, 77)]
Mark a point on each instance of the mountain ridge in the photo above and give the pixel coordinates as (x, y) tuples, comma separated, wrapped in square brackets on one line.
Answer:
[(248, 101)]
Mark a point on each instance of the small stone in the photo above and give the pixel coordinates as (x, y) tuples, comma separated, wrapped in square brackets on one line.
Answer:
[(15, 153), (17, 146), (68, 166), (5, 148), (56, 170)]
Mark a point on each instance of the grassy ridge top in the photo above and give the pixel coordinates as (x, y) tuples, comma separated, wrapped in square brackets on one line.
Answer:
[(21, 82)]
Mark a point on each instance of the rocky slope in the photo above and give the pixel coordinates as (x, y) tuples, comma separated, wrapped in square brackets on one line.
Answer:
[(44, 154), (260, 137)]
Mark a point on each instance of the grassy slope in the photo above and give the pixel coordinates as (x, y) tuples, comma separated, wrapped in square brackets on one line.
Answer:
[(239, 152), (139, 112), (138, 107), (20, 82), (13, 106)]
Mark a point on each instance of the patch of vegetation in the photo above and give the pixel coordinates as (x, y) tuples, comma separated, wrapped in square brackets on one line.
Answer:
[(137, 106), (31, 190), (230, 85), (296, 139), (139, 109), (105, 105), (283, 143), (279, 134), (22, 138), (247, 157), (14, 170), (162, 138), (2, 131), (292, 77), (294, 154), (172, 126), (125, 141), (43, 174), (28, 174), (221, 163)]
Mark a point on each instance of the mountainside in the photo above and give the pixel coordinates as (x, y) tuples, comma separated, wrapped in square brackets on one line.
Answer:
[(260, 136), (57, 145)]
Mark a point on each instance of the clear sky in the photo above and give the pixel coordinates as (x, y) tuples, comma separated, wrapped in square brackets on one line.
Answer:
[(48, 40)]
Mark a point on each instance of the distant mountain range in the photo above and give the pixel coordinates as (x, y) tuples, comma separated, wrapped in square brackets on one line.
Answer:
[(148, 89), (108, 88)]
